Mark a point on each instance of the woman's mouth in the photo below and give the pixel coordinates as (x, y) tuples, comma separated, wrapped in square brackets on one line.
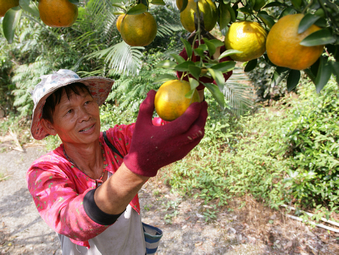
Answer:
[(86, 129)]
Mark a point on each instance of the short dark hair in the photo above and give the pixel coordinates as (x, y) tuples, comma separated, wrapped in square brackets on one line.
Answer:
[(54, 99)]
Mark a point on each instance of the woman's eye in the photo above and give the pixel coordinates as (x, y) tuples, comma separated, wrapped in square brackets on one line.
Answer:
[(70, 111)]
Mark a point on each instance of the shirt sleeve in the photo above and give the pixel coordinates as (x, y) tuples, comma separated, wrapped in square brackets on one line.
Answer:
[(59, 202)]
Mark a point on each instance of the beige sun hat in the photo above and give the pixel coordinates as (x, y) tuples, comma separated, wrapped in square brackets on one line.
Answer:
[(99, 87)]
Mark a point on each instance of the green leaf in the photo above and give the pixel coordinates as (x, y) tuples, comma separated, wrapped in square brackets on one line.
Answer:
[(224, 67), (251, 65), (335, 68), (195, 71), (165, 77), (190, 93), (138, 9), (245, 10), (166, 64), (10, 22), (184, 67), (211, 46), (224, 15), (193, 83), (310, 74), (158, 2), (232, 12), (297, 4), (178, 58), (277, 77), (274, 4), (216, 42), (321, 23), (267, 19), (287, 11), (307, 21), (228, 53), (323, 75), (320, 37), (217, 76), (200, 51), (293, 79), (259, 4), (121, 6), (32, 9), (73, 2), (188, 47), (216, 93)]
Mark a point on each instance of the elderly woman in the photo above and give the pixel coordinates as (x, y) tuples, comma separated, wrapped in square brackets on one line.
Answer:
[(86, 191)]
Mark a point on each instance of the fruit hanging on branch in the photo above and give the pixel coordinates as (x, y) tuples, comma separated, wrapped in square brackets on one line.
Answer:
[(173, 98), (205, 77), (207, 10), (58, 13), (249, 37), (138, 30), (283, 44), (118, 22), (5, 5)]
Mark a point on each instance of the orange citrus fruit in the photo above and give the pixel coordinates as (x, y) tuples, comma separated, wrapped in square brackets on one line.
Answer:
[(179, 4), (5, 5), (138, 30), (58, 13), (248, 37), (283, 44), (170, 101), (206, 7), (119, 19)]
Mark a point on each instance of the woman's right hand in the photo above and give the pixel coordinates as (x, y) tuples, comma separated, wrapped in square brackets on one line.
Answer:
[(153, 147)]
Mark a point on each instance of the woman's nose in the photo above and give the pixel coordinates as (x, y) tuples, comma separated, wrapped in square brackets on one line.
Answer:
[(84, 115)]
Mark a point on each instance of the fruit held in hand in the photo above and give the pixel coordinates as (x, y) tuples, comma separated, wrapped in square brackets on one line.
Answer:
[(170, 101)]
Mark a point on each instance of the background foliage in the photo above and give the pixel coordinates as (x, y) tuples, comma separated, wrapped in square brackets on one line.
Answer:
[(285, 154)]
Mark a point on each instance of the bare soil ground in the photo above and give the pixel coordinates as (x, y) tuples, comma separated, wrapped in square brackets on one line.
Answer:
[(245, 226)]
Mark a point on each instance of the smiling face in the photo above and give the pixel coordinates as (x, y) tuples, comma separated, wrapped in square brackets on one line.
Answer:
[(76, 118)]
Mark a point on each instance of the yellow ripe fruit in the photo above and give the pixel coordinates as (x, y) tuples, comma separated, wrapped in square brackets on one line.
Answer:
[(248, 37), (283, 44), (5, 5), (58, 13), (206, 7), (138, 30), (119, 20), (170, 101)]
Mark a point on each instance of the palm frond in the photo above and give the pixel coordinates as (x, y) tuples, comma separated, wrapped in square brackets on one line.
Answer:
[(239, 95), (121, 58)]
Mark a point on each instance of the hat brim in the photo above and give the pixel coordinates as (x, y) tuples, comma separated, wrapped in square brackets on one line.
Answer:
[(99, 88)]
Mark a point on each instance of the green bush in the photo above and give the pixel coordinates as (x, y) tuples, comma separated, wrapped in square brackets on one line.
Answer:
[(314, 148), (286, 154)]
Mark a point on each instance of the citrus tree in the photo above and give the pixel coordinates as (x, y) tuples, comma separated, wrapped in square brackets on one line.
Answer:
[(297, 37)]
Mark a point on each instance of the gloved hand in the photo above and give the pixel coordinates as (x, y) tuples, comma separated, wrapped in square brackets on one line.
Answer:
[(153, 147)]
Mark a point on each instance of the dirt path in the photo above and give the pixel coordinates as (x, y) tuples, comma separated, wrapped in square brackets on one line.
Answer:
[(239, 228)]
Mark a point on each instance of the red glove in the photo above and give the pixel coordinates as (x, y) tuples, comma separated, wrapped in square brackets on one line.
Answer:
[(183, 54), (153, 147)]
